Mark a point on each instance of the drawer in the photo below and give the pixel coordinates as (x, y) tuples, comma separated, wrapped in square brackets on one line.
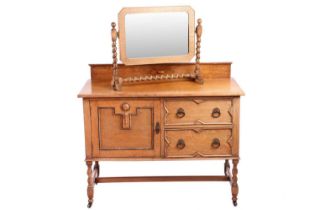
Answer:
[(125, 128), (198, 143), (197, 111)]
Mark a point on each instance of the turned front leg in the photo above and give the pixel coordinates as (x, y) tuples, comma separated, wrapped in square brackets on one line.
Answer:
[(90, 180), (234, 182)]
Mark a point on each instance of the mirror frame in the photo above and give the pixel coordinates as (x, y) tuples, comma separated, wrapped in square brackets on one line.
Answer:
[(163, 59)]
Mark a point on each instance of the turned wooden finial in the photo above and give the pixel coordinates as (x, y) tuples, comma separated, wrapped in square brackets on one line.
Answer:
[(198, 77), (199, 29), (116, 81), (114, 32)]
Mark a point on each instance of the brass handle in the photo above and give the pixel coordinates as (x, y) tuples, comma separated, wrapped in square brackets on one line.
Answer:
[(157, 128), (180, 144), (216, 112), (180, 113), (215, 143)]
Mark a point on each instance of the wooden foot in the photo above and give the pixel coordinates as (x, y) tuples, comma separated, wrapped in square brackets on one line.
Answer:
[(117, 83), (90, 180), (234, 182), (199, 80), (235, 203)]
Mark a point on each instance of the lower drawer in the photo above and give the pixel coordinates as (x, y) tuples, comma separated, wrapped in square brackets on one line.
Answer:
[(198, 143)]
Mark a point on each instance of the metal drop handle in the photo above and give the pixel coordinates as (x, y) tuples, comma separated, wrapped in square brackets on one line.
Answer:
[(216, 112), (180, 113), (180, 144), (215, 143)]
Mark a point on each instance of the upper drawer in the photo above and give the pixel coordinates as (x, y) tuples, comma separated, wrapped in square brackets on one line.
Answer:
[(198, 111)]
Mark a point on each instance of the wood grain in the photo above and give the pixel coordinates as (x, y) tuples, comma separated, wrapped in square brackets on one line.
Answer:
[(214, 87)]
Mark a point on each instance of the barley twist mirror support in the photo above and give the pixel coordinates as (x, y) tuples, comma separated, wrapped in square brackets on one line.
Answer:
[(195, 76), (116, 81)]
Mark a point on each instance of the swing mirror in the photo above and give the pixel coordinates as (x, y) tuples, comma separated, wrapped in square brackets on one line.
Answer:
[(149, 35)]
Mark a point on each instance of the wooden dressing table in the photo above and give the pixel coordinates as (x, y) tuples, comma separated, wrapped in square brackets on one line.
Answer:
[(145, 109), (173, 120)]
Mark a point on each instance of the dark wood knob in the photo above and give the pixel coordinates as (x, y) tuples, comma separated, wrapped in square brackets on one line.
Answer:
[(180, 113), (216, 112), (180, 144), (215, 143)]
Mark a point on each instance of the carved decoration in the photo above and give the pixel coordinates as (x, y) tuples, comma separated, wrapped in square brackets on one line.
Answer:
[(200, 122), (126, 115), (198, 101), (167, 143), (230, 111), (230, 142), (165, 113), (197, 130)]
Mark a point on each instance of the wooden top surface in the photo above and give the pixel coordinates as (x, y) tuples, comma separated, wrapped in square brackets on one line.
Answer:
[(211, 87), (217, 81)]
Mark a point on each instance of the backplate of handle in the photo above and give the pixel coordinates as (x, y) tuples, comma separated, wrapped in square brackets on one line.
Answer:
[(216, 112), (180, 144), (215, 143), (180, 113)]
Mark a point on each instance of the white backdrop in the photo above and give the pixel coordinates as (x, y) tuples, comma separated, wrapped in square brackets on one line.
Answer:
[(45, 49)]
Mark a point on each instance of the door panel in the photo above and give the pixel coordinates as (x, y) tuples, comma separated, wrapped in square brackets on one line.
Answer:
[(125, 128)]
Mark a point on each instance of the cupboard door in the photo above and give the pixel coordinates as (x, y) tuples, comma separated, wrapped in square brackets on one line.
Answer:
[(125, 128)]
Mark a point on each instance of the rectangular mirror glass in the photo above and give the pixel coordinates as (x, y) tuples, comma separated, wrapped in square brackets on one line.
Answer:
[(156, 35)]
